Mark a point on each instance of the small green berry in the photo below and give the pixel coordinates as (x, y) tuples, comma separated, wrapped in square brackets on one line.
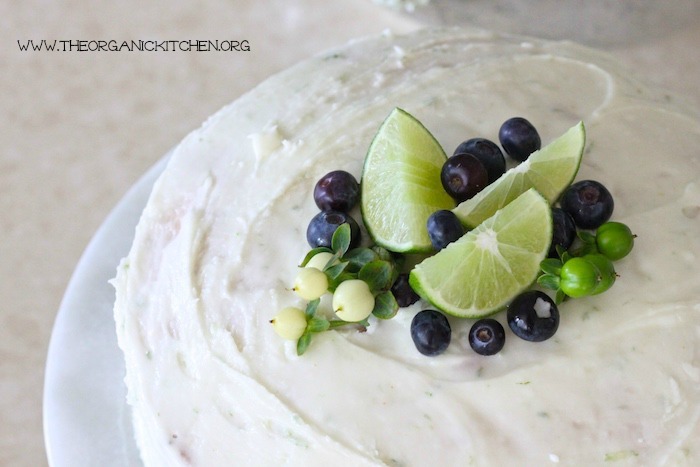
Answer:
[(310, 283), (289, 323), (353, 301), (579, 277), (615, 240), (607, 272)]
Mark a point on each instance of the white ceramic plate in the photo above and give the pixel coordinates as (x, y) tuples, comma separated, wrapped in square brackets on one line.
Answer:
[(86, 419)]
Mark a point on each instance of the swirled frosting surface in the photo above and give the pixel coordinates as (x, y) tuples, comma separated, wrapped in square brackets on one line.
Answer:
[(218, 245)]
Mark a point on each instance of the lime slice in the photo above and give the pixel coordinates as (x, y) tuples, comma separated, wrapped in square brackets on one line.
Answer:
[(550, 170), (485, 269), (401, 184)]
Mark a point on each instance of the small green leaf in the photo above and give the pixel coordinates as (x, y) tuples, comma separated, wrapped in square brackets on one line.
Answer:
[(340, 242), (311, 308), (377, 274), (561, 251), (549, 281), (385, 306), (383, 253), (559, 297), (586, 237), (316, 324), (312, 253), (338, 323), (565, 256), (585, 244), (333, 284), (303, 343), (588, 249), (583, 249), (358, 257), (336, 270), (395, 271), (551, 266)]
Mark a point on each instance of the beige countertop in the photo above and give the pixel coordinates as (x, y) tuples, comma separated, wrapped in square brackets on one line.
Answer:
[(80, 127)]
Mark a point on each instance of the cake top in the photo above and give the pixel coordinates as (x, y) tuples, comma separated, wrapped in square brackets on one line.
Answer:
[(219, 242)]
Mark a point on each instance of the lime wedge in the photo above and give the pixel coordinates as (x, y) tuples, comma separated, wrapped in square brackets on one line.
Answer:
[(485, 269), (401, 184), (550, 170)]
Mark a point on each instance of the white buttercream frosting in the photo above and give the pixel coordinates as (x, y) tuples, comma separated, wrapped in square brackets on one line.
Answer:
[(218, 244)]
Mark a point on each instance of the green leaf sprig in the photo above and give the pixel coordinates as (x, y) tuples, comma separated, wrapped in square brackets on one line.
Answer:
[(570, 274), (374, 265)]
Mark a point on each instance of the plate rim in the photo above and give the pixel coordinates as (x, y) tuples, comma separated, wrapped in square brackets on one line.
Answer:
[(66, 434)]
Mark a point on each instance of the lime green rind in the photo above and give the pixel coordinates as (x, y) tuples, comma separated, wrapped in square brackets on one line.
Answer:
[(549, 170), (400, 185), (469, 281)]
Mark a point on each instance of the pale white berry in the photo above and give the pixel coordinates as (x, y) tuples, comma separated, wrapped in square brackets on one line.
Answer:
[(290, 323), (310, 283), (319, 260), (352, 300)]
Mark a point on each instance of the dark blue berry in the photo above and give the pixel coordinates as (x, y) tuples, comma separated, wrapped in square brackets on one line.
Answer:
[(444, 228), (533, 316), (487, 336), (563, 231), (589, 203), (463, 176), (488, 153), (431, 332), (519, 138), (323, 225), (336, 191), (403, 292)]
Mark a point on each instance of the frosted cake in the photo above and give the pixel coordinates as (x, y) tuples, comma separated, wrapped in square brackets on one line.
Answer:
[(219, 243)]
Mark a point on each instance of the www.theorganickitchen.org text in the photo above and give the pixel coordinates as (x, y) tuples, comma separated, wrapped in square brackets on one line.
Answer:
[(82, 45)]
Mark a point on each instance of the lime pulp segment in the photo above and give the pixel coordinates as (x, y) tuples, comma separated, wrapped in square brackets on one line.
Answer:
[(485, 269), (549, 170), (401, 185)]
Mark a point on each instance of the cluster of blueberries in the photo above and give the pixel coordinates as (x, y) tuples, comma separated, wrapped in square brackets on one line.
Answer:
[(532, 315), (475, 163)]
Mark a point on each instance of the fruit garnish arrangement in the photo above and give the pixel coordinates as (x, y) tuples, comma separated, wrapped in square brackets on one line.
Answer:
[(463, 233)]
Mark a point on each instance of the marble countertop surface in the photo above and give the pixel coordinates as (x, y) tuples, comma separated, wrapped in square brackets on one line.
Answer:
[(80, 127)]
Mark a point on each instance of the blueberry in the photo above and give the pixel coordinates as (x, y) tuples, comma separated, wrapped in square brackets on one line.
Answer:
[(322, 226), (589, 203), (519, 138), (444, 228), (488, 153), (487, 336), (533, 316), (431, 332), (563, 231), (336, 191), (463, 176), (403, 292)]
